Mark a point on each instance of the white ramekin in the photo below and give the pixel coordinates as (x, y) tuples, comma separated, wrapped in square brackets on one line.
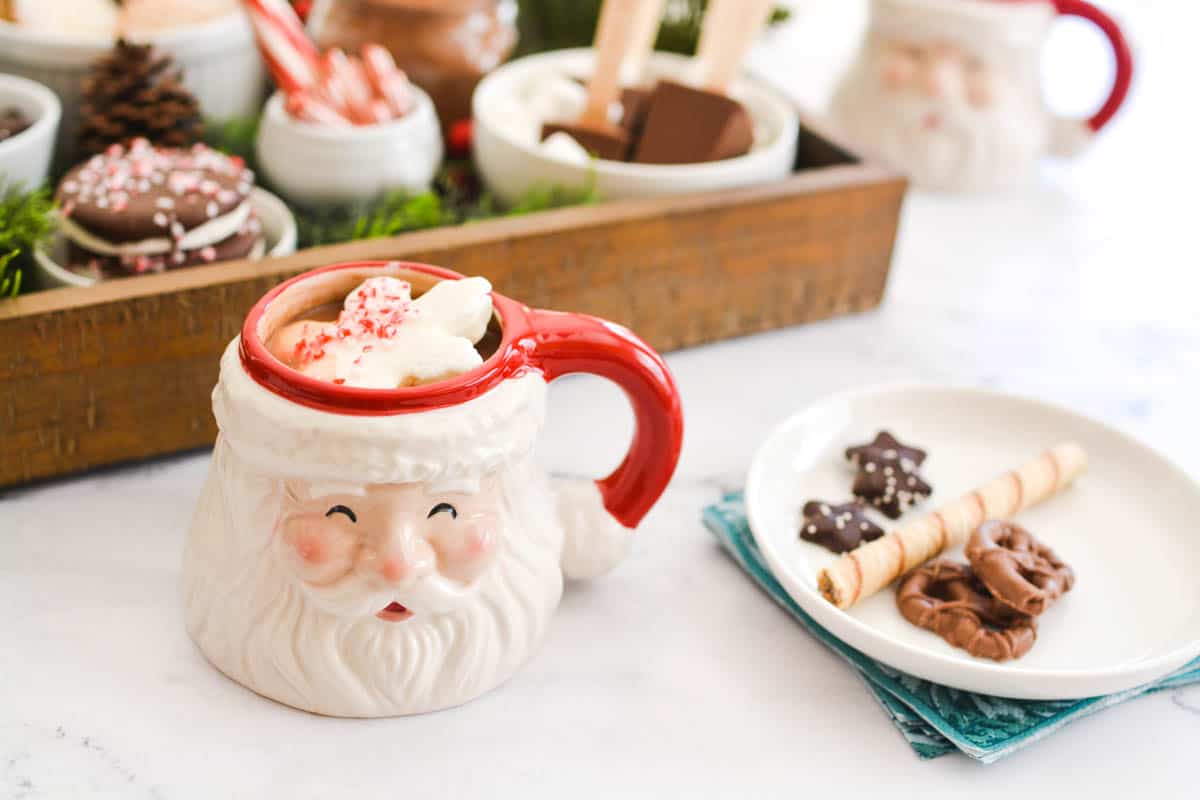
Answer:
[(25, 158), (511, 164), (220, 63), (311, 164), (279, 229)]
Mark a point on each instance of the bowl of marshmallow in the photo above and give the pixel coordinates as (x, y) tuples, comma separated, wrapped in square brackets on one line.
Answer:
[(523, 136)]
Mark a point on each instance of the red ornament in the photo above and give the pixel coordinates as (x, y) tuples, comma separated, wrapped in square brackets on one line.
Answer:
[(458, 141)]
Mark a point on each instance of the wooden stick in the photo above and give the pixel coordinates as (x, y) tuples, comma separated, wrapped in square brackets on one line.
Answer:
[(728, 30), (611, 43), (864, 571), (643, 33)]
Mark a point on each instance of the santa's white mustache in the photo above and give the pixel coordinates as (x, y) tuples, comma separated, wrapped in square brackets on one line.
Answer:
[(361, 596)]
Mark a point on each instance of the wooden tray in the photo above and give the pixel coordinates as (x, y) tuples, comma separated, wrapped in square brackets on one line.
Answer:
[(124, 370)]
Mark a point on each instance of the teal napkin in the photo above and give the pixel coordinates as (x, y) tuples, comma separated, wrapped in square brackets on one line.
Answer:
[(935, 719)]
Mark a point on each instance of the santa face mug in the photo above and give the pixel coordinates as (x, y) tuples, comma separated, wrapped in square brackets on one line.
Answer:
[(367, 552), (948, 91)]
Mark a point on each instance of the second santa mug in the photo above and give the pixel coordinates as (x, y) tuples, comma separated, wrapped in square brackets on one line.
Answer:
[(949, 91)]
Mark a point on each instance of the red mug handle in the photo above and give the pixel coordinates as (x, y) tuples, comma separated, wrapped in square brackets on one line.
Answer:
[(559, 344), (1121, 52)]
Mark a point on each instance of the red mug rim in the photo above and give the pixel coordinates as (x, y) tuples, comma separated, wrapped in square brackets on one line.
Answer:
[(277, 377)]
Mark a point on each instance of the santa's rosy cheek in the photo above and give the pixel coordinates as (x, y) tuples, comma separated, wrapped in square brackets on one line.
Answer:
[(318, 550), (468, 550), (898, 71)]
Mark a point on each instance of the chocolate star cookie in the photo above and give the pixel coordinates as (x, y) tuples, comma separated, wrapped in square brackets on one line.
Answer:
[(887, 474), (889, 488), (837, 528), (886, 449)]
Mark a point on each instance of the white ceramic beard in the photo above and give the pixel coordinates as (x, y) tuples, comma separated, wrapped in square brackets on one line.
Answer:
[(972, 148), (262, 629), (323, 649)]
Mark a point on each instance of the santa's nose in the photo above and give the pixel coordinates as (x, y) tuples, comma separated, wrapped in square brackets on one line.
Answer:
[(404, 557), (942, 76)]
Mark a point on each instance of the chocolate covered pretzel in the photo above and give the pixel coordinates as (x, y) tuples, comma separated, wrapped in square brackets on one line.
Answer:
[(1020, 572), (946, 598)]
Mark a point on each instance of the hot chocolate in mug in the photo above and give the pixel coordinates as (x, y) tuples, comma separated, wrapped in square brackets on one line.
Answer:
[(368, 552), (949, 91)]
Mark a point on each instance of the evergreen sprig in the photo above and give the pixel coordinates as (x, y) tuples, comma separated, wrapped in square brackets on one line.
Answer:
[(557, 24), (25, 220)]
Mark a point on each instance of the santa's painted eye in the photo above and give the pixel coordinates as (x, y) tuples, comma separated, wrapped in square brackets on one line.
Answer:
[(440, 507), (342, 510)]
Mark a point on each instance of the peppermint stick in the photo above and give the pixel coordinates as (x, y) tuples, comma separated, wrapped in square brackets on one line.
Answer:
[(862, 572)]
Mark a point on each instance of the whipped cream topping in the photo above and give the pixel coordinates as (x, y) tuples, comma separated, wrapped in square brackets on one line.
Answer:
[(384, 339)]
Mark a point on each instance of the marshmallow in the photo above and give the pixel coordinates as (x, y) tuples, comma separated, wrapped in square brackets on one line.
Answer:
[(383, 339)]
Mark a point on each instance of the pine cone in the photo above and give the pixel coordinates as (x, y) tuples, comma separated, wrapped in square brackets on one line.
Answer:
[(135, 91)]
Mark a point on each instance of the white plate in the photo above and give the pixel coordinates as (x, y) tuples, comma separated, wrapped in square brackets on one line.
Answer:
[(1130, 527), (279, 229)]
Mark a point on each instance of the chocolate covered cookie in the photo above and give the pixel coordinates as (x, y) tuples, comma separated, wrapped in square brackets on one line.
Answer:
[(886, 449), (147, 209), (887, 474), (889, 488), (839, 528), (248, 242)]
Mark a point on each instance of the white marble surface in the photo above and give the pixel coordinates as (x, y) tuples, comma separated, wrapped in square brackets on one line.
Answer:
[(674, 675)]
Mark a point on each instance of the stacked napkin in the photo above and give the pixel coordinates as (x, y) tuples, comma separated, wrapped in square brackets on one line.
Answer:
[(935, 719)]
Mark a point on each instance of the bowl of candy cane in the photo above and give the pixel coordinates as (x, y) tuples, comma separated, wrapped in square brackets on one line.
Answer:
[(343, 128)]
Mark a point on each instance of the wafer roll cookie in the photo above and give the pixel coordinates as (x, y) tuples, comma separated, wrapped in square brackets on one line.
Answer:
[(863, 572)]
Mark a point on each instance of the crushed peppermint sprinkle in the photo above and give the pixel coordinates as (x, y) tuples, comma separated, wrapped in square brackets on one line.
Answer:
[(375, 309), (212, 209), (115, 178), (208, 253), (160, 219)]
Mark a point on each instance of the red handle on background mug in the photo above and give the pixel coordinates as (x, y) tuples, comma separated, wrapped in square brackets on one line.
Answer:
[(559, 344), (1121, 52)]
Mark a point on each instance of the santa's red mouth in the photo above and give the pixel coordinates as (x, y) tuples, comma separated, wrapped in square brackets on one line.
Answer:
[(394, 613), (931, 121)]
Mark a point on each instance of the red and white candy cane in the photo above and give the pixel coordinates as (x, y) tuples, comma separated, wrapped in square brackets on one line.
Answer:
[(288, 52), (340, 76), (386, 79), (309, 108)]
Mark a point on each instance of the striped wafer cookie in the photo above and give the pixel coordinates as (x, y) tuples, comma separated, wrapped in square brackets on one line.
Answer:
[(863, 572)]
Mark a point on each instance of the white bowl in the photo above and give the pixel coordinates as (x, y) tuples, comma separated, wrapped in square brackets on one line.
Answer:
[(220, 63), (25, 158), (312, 164), (512, 161), (279, 228)]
